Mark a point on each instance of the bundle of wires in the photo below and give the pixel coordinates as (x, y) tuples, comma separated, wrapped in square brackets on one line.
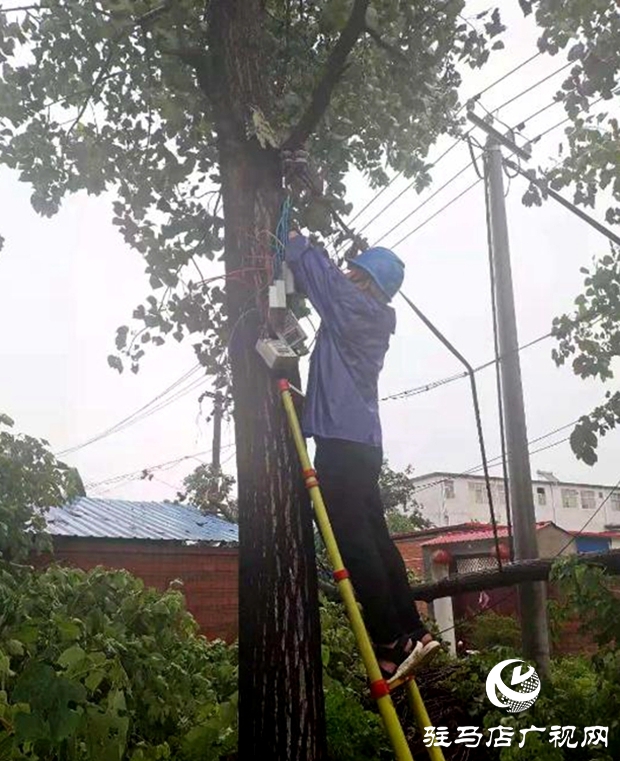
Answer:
[(281, 237)]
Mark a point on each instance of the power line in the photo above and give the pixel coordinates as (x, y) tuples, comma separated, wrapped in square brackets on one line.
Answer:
[(497, 459), (429, 198), (408, 187), (457, 376), (555, 126), (161, 466), (522, 123), (505, 76), (439, 211), (453, 145), (143, 412), (533, 86), (566, 119)]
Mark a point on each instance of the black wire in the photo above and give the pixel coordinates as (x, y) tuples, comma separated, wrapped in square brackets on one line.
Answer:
[(439, 211), (469, 100), (474, 392), (411, 184), (475, 98), (473, 157), (532, 87), (430, 198), (472, 471), (568, 118), (522, 124), (435, 384), (505, 76), (136, 416)]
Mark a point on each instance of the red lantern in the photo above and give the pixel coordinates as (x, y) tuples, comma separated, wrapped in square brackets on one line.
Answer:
[(442, 557), (503, 551)]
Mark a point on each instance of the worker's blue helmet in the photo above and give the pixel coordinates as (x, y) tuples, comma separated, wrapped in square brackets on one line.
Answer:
[(384, 267)]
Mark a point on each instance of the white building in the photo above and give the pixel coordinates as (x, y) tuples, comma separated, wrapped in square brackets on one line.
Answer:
[(447, 499)]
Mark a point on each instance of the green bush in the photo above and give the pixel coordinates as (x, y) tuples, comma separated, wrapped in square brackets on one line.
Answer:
[(579, 692), (491, 630), (95, 667), (353, 732)]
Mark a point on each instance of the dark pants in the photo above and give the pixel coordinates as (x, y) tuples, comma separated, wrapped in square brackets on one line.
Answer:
[(348, 475)]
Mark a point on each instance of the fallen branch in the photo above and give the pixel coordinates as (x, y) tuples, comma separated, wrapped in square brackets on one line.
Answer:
[(512, 573)]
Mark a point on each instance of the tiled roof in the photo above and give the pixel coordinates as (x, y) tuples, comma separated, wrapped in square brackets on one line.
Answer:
[(119, 519), (477, 533)]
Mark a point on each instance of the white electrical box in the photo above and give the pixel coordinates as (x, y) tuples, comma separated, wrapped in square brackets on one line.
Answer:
[(277, 354), (289, 280), (277, 295)]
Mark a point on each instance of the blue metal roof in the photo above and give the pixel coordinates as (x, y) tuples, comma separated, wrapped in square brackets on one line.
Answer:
[(119, 519)]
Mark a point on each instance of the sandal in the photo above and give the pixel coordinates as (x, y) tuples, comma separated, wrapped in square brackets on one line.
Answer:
[(399, 654), (407, 662)]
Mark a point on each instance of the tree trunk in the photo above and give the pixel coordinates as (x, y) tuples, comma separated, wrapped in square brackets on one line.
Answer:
[(281, 713)]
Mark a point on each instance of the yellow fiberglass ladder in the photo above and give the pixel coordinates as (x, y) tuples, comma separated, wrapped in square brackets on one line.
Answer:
[(379, 688)]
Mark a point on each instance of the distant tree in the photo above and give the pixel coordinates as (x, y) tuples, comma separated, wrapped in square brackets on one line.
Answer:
[(31, 479), (210, 489), (402, 512)]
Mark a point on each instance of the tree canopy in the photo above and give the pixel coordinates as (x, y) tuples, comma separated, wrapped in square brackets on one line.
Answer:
[(210, 489), (118, 95), (31, 479)]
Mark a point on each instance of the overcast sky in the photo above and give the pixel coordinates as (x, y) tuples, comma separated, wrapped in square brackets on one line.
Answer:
[(69, 282)]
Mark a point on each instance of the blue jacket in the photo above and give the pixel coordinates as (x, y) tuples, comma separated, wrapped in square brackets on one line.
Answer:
[(342, 395)]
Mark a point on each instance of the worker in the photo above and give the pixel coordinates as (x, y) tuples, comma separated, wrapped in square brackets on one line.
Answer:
[(341, 413)]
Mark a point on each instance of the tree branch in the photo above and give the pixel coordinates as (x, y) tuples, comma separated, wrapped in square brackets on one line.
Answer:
[(98, 80), (393, 52), (331, 76), (512, 573)]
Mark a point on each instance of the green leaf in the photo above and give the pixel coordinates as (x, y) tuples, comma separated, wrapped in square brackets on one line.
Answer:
[(14, 647), (71, 656), (31, 727)]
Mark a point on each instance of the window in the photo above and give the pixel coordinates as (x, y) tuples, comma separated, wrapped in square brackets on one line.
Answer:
[(479, 492), (541, 496), (448, 489), (588, 499), (570, 498), (615, 501)]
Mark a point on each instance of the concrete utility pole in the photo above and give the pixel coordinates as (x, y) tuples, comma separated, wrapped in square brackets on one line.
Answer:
[(532, 595), (218, 412)]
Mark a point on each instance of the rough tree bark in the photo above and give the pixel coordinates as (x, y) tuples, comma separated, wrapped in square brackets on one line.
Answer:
[(281, 714)]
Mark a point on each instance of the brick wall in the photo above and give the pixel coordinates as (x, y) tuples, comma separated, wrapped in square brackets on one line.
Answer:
[(412, 553), (209, 574), (411, 550)]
